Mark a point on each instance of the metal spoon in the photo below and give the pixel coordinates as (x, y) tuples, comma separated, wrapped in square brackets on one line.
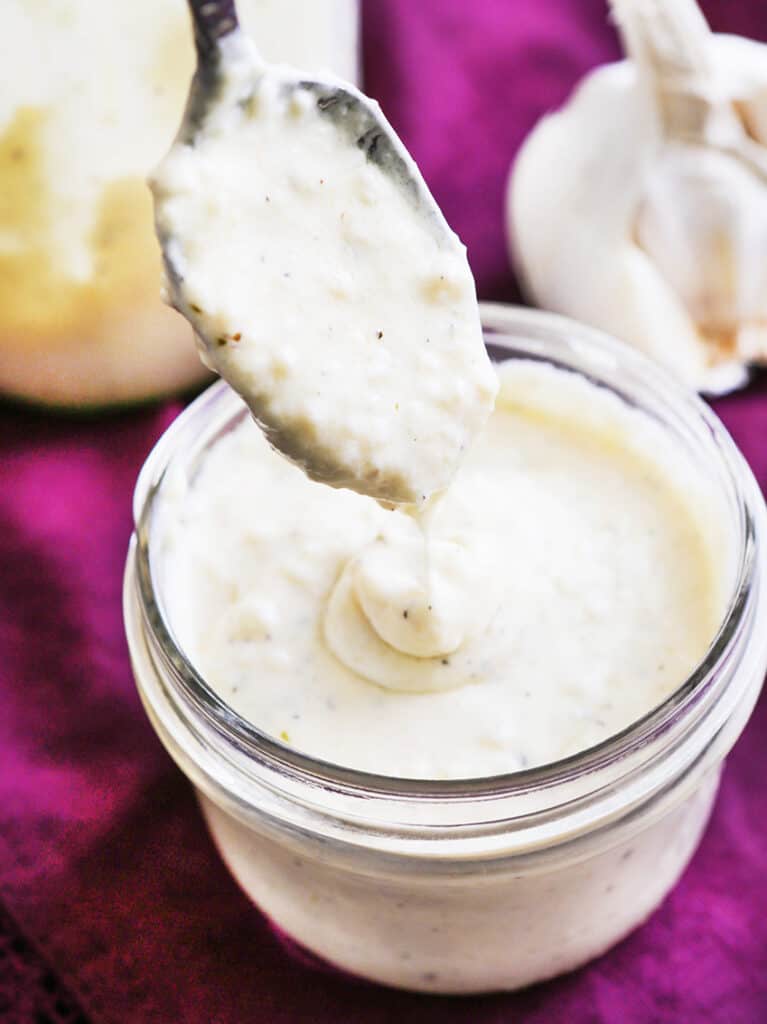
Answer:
[(359, 124), (357, 117)]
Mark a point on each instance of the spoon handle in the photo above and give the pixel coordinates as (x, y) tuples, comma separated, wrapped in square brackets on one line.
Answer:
[(212, 19)]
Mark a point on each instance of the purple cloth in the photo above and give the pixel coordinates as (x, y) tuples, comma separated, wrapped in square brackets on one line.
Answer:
[(114, 906)]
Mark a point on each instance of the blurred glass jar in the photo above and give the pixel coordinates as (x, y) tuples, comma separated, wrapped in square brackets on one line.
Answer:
[(93, 95)]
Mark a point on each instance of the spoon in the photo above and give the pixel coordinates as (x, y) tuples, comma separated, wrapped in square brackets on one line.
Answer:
[(322, 281), (358, 119)]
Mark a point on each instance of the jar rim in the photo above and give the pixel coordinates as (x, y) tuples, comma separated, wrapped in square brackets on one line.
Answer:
[(499, 322)]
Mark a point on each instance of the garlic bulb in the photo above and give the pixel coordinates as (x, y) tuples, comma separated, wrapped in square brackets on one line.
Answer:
[(641, 206)]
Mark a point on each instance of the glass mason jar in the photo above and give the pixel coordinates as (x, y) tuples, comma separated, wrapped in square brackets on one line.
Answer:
[(92, 97), (478, 884)]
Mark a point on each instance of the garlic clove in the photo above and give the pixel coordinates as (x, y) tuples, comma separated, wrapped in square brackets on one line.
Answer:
[(703, 221)]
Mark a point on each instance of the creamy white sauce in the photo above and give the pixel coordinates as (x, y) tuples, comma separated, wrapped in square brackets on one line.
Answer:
[(479, 931), (343, 312), (571, 565)]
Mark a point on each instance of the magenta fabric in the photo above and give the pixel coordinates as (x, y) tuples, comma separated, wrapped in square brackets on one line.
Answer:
[(115, 908)]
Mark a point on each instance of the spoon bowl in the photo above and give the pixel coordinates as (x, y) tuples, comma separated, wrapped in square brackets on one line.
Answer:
[(322, 281)]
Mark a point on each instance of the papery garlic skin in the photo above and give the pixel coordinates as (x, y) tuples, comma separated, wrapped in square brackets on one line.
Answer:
[(574, 199), (703, 220)]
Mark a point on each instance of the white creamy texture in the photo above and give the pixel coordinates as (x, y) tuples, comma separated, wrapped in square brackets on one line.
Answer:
[(571, 560), (343, 313), (479, 931)]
